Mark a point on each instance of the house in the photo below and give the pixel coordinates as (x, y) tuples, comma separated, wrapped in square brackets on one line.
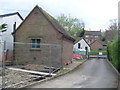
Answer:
[(13, 20), (97, 45), (40, 27), (91, 36), (82, 44)]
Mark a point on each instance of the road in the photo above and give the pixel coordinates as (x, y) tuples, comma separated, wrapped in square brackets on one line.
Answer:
[(95, 73)]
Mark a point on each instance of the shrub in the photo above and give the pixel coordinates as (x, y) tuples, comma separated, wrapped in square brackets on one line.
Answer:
[(114, 52)]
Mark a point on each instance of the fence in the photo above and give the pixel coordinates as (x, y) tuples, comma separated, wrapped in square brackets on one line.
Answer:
[(83, 53), (1, 65), (27, 62)]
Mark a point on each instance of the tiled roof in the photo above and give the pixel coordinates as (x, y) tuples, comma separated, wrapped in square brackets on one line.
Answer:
[(54, 23), (103, 43), (94, 33)]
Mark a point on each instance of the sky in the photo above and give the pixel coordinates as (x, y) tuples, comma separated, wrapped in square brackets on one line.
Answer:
[(96, 14)]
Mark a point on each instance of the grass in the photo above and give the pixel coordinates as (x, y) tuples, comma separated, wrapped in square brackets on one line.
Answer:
[(79, 60), (96, 52), (63, 70)]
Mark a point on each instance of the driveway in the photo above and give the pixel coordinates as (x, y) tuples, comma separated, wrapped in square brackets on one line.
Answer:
[(95, 73)]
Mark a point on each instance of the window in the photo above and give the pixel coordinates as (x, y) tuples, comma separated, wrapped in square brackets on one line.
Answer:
[(96, 36), (87, 36), (79, 45), (86, 48), (35, 43)]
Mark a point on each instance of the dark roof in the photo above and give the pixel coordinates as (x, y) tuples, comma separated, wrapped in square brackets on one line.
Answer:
[(53, 22), (101, 42), (10, 14), (94, 33)]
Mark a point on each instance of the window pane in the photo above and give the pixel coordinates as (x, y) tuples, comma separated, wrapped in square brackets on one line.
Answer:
[(38, 43), (38, 46), (33, 40), (33, 46), (38, 40)]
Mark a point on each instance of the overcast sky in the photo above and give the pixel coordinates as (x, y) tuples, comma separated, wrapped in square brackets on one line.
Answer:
[(95, 13)]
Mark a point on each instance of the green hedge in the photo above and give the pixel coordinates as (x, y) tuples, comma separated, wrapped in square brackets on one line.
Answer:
[(114, 53), (96, 52)]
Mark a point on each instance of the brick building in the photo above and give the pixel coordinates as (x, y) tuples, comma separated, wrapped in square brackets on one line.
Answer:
[(91, 36), (97, 45), (40, 27), (94, 39)]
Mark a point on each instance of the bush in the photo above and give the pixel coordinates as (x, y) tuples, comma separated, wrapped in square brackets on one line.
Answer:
[(114, 52)]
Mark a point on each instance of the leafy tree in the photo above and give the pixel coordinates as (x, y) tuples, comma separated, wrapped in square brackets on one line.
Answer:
[(74, 26), (3, 27)]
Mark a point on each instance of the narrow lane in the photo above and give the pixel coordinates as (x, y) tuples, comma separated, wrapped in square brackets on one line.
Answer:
[(95, 73)]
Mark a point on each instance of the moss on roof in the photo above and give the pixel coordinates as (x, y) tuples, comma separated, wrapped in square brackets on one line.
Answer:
[(56, 24)]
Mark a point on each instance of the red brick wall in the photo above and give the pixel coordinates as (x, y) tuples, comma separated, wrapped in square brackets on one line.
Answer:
[(96, 45), (67, 51), (92, 38), (36, 26), (9, 56)]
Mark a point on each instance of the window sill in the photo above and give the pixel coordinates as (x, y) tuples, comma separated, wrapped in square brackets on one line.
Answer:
[(35, 49)]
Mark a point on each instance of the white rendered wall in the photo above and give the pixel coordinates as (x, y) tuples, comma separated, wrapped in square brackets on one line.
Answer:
[(7, 36), (83, 44)]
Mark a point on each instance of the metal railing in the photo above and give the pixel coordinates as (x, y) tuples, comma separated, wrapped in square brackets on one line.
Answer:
[(26, 63)]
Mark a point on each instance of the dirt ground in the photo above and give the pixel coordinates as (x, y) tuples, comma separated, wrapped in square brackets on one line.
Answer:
[(13, 77)]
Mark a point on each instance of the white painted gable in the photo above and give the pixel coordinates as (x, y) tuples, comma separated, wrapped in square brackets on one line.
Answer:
[(83, 44)]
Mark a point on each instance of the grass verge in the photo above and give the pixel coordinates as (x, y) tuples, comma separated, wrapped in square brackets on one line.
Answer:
[(96, 52), (79, 60), (63, 70)]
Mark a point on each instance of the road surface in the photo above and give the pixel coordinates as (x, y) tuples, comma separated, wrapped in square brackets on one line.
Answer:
[(95, 73)]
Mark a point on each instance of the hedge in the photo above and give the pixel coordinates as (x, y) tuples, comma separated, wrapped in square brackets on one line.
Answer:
[(96, 52), (113, 53)]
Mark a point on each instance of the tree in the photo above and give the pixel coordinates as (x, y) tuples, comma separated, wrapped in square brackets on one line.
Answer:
[(112, 32), (3, 27), (113, 24), (103, 36), (74, 26)]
